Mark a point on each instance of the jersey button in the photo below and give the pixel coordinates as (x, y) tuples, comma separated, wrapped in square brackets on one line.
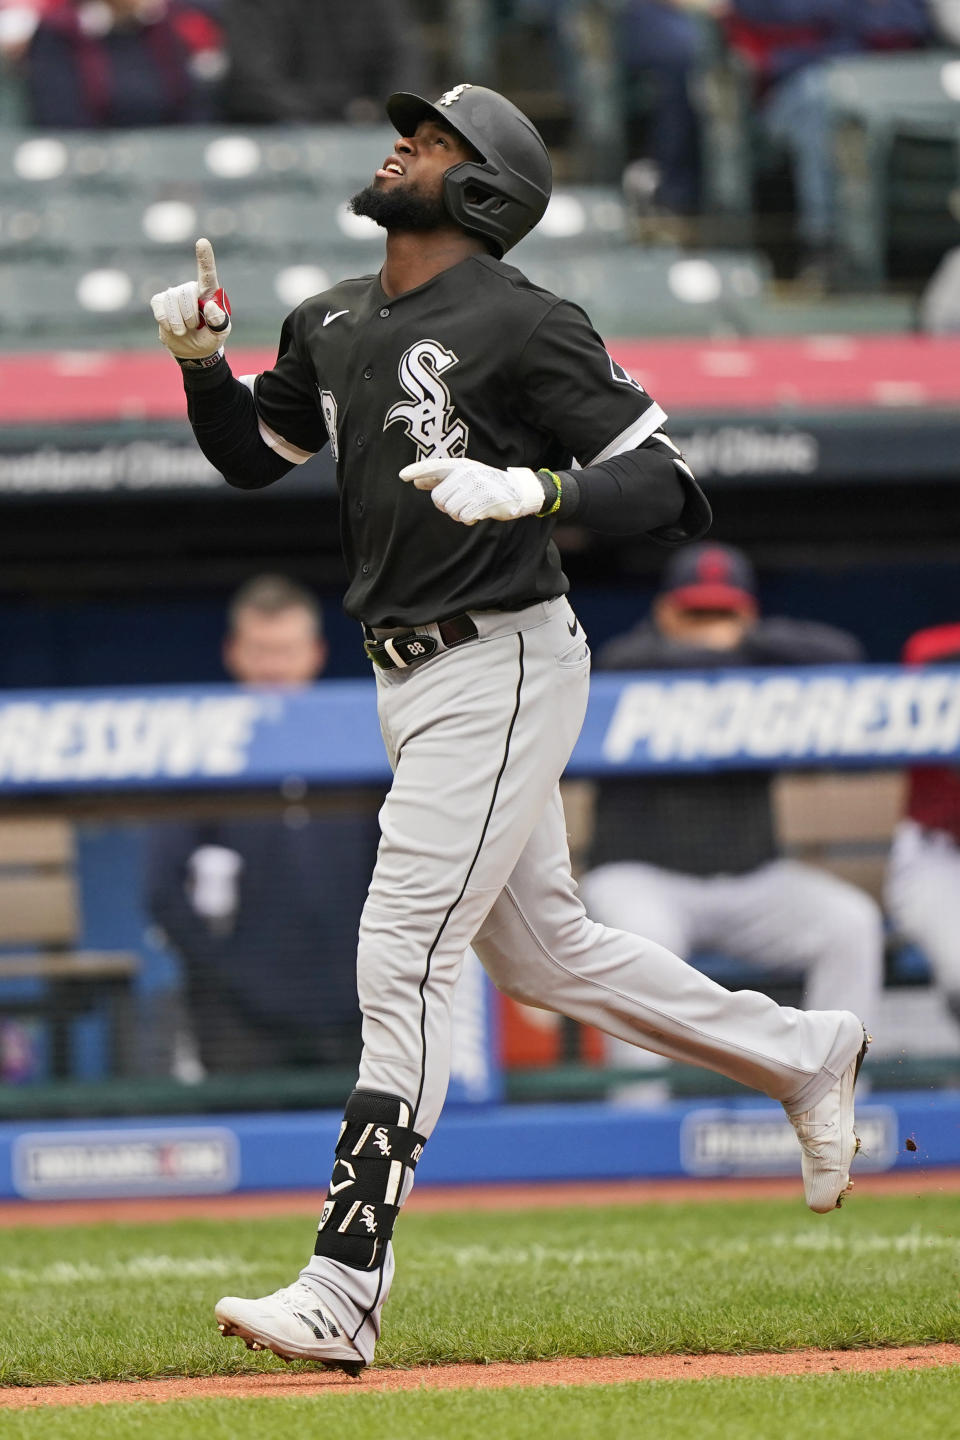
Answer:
[(359, 507), (365, 569), (384, 313), (361, 439), (368, 373)]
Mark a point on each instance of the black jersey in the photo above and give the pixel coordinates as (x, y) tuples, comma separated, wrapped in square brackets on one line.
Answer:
[(477, 362)]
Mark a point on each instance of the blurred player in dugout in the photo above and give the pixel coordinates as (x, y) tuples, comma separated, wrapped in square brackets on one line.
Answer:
[(264, 912), (923, 879), (692, 861)]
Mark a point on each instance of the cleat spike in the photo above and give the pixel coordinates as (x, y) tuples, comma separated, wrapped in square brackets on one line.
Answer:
[(349, 1367)]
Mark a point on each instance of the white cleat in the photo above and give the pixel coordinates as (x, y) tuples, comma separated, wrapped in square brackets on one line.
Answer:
[(828, 1139), (294, 1324)]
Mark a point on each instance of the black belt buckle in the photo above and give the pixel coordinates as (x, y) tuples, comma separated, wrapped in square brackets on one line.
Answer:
[(399, 651)]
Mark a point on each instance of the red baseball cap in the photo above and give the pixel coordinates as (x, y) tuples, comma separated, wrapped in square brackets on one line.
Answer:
[(711, 576)]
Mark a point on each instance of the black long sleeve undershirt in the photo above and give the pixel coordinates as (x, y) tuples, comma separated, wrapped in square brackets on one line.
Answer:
[(644, 491), (224, 419)]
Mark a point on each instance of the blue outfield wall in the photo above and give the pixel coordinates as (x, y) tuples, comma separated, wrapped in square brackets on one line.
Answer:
[(472, 1145), (210, 737)]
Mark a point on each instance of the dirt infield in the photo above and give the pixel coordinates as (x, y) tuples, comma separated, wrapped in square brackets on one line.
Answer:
[(488, 1377), (432, 1199)]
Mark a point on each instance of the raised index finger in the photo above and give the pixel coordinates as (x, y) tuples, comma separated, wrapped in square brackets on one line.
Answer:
[(207, 282)]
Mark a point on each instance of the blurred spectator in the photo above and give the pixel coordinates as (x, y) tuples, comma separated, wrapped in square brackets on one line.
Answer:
[(18, 20), (786, 45), (92, 64), (923, 880), (692, 861), (264, 913), (660, 43), (302, 61)]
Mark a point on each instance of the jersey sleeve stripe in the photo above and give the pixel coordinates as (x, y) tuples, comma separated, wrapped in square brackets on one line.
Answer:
[(290, 452), (285, 448), (634, 435), (665, 440)]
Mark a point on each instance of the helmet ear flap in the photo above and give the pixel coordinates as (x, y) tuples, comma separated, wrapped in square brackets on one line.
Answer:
[(476, 201), (482, 200)]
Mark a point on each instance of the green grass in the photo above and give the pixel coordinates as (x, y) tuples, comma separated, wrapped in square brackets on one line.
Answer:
[(922, 1405), (123, 1301)]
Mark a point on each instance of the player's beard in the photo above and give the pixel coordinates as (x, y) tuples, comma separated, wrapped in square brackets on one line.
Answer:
[(400, 207)]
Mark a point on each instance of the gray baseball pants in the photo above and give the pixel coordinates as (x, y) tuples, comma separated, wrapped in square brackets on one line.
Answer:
[(474, 850)]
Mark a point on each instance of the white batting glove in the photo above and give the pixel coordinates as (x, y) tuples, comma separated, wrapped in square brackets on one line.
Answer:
[(194, 318), (468, 491)]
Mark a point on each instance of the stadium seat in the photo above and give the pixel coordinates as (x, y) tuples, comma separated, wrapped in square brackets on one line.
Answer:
[(192, 160), (923, 84), (578, 218), (264, 221), (34, 161), (331, 157), (658, 291), (302, 223), (78, 301), (874, 100), (44, 974), (923, 195), (626, 291)]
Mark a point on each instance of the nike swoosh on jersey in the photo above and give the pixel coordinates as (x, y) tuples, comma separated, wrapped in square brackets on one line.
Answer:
[(334, 315), (572, 628)]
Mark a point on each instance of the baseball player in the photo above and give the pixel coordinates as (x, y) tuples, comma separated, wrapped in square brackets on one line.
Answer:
[(469, 411), (923, 878)]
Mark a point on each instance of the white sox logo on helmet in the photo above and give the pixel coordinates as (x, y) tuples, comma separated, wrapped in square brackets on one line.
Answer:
[(428, 420), (450, 97)]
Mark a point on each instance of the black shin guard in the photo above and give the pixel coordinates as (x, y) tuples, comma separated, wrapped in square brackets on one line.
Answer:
[(375, 1150)]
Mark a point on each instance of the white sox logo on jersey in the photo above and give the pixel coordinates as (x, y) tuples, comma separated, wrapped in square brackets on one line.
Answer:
[(328, 405), (428, 419)]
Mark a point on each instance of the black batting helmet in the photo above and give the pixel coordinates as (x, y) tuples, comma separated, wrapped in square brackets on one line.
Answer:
[(502, 196)]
